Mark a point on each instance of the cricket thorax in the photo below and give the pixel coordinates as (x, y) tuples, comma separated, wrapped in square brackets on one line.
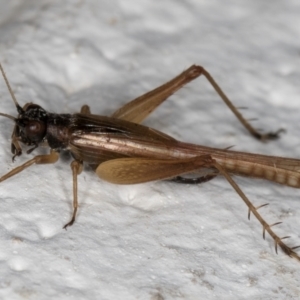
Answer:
[(57, 134)]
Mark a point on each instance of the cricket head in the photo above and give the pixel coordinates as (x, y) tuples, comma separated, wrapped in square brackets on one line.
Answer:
[(30, 125)]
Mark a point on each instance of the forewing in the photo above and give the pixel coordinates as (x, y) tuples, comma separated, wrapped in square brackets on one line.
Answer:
[(139, 170)]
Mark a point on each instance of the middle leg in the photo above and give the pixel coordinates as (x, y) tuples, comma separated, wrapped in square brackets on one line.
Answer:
[(76, 167)]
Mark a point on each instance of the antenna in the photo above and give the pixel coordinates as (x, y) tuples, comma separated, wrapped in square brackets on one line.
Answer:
[(19, 108)]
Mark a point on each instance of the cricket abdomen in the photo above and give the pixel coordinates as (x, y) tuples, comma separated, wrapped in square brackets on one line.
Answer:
[(258, 170)]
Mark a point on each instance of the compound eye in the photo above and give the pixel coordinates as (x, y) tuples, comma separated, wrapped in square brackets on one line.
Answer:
[(35, 130)]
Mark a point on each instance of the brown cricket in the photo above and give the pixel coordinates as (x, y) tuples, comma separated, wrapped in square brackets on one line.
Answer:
[(122, 151)]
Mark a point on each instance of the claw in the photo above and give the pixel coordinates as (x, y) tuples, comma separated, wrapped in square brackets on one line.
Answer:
[(69, 224), (271, 135)]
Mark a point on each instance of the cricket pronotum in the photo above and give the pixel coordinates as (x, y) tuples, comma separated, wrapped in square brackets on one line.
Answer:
[(122, 151)]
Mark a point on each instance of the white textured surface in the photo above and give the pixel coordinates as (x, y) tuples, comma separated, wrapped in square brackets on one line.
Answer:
[(158, 240)]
